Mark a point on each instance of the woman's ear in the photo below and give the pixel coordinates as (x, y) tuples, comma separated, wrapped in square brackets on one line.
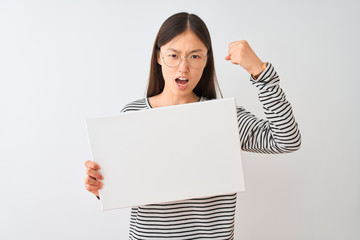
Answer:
[(158, 57)]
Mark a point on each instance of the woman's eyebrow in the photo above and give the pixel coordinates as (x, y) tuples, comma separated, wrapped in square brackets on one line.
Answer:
[(196, 50)]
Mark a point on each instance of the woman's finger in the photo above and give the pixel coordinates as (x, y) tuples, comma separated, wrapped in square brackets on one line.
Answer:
[(91, 164), (93, 189), (93, 173), (232, 44), (92, 181)]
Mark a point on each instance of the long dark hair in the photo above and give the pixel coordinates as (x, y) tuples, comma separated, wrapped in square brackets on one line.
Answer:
[(172, 27)]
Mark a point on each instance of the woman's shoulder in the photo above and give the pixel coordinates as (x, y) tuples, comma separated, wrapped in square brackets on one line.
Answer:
[(136, 105)]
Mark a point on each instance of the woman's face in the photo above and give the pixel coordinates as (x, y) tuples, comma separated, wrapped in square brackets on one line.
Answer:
[(182, 79)]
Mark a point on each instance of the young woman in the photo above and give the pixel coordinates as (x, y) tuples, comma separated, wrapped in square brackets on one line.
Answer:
[(182, 71)]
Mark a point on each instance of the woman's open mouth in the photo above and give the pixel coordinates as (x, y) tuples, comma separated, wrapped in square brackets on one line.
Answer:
[(182, 82)]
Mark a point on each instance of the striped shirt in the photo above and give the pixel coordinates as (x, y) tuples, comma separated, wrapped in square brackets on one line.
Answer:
[(213, 217)]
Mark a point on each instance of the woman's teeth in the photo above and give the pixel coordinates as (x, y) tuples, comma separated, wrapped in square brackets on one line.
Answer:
[(181, 81)]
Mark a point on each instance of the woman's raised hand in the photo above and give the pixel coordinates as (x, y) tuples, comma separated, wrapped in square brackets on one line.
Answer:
[(240, 53), (92, 182)]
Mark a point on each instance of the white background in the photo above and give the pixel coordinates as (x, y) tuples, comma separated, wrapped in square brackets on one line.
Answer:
[(62, 61)]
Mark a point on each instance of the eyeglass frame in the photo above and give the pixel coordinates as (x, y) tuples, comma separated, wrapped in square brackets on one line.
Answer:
[(187, 60)]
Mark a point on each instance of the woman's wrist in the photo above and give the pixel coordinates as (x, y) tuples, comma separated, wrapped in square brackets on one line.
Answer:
[(259, 72)]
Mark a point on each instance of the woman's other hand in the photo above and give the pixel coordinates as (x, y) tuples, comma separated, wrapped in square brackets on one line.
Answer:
[(92, 182), (240, 53)]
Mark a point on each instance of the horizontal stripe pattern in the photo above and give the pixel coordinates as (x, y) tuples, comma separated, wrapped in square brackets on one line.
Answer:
[(213, 217), (279, 132), (199, 218)]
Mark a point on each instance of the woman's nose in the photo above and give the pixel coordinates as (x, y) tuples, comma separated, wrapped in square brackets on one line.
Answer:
[(184, 65)]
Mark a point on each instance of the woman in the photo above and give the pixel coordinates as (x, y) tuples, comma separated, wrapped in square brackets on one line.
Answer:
[(182, 71)]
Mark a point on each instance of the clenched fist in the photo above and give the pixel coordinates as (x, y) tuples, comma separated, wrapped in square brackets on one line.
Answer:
[(240, 53)]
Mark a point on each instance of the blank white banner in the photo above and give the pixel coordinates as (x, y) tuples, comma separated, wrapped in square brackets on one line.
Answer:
[(168, 154)]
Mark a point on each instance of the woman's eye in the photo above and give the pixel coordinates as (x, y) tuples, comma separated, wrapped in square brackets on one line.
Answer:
[(173, 56), (195, 57)]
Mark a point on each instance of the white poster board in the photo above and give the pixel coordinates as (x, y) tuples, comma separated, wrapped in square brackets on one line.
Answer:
[(168, 154)]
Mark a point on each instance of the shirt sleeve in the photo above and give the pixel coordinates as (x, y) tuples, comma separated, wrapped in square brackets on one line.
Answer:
[(279, 132)]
